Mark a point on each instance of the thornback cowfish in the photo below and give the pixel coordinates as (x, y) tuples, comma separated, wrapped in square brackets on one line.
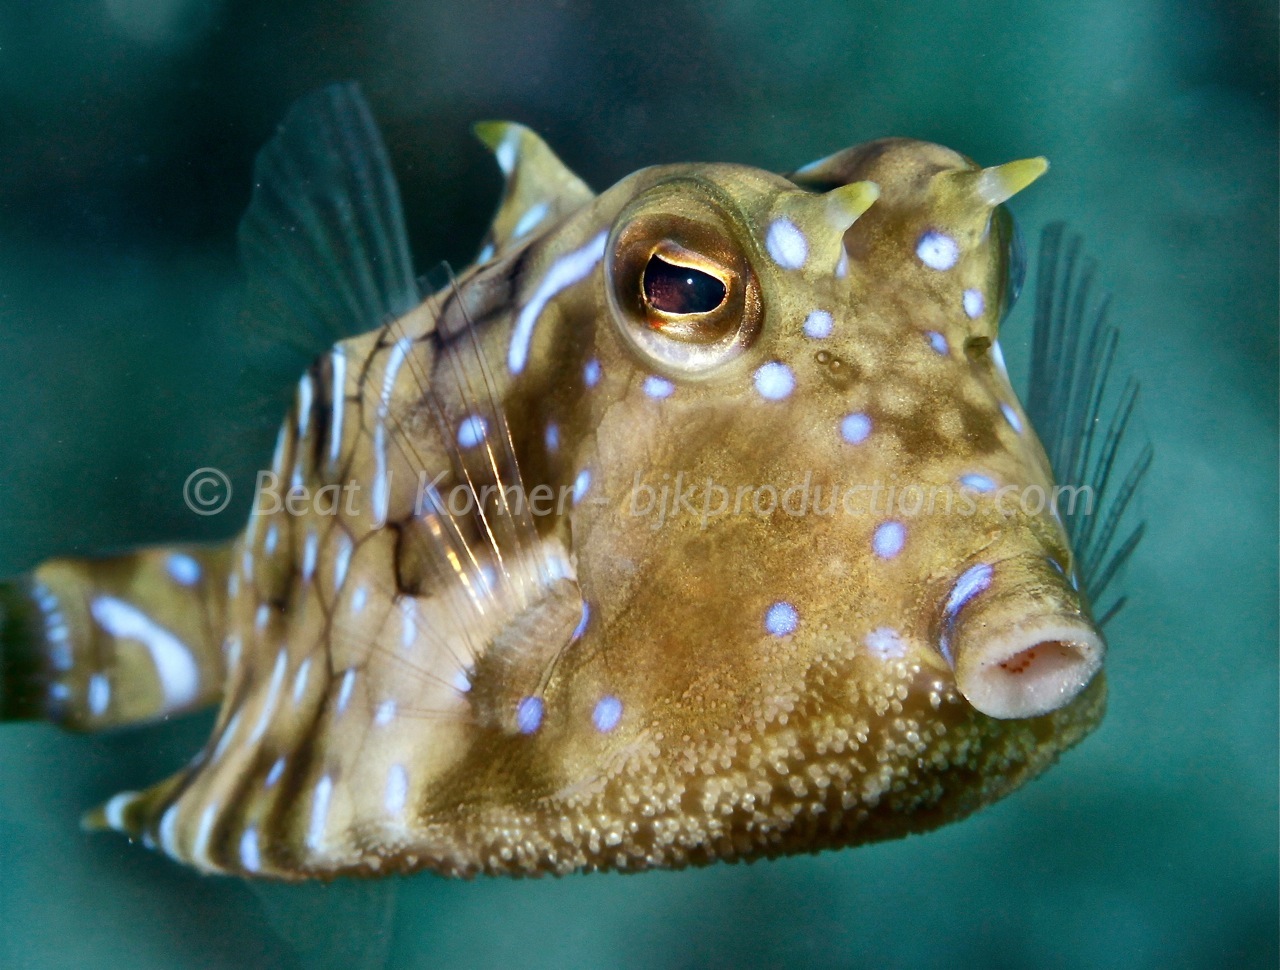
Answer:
[(695, 520)]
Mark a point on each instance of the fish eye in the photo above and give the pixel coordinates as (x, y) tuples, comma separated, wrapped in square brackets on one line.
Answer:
[(670, 288), (680, 284)]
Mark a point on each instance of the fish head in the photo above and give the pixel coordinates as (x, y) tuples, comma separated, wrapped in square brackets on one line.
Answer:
[(798, 471)]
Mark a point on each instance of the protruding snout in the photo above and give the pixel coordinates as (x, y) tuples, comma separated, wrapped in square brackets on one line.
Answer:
[(1019, 639)]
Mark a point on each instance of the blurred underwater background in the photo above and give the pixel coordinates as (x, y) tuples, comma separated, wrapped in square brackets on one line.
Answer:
[(127, 132)]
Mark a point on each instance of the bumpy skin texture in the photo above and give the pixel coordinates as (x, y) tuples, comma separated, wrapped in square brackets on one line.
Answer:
[(607, 685)]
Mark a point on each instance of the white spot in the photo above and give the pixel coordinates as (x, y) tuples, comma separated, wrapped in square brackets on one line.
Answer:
[(855, 428), (305, 395), (568, 269), (386, 713), (99, 694), (319, 814), (228, 735), (938, 342), (607, 714), (200, 848), (276, 771), (273, 692), (250, 858), (175, 667), (553, 437), (581, 628), (246, 561), (183, 569), (300, 681), (472, 431), (461, 682), (529, 714), (979, 483), (1011, 416), (397, 793), (531, 218), (974, 304), (309, 549), (342, 561), (339, 403), (937, 250), (580, 485), (774, 381), (261, 618), (886, 644), (115, 808), (508, 151), (344, 690), (272, 539), (786, 244), (359, 598), (781, 619), (997, 355), (842, 264), (485, 254), (408, 622), (889, 539), (817, 325), (381, 488), (233, 585), (591, 372), (168, 837), (658, 387)]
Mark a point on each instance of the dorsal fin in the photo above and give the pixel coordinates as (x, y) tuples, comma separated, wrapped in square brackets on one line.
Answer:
[(1083, 415), (540, 189), (323, 242)]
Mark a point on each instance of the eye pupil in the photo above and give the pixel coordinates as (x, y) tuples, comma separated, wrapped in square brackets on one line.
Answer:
[(680, 289)]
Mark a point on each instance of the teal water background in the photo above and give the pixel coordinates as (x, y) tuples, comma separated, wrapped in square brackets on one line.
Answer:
[(127, 130)]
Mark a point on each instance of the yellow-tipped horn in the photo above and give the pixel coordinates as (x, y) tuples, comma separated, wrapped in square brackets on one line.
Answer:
[(1002, 182), (845, 204)]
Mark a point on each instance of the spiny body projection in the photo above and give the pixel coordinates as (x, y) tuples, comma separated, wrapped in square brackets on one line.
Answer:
[(689, 523)]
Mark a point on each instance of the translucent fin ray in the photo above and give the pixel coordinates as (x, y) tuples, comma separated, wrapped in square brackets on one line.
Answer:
[(1083, 419), (323, 242)]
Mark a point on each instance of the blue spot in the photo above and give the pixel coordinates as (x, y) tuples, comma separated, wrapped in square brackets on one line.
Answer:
[(974, 304), (1011, 416), (591, 373), (886, 643), (817, 325), (855, 428), (938, 342), (529, 714), (937, 250), (553, 436), (979, 483), (786, 244), (774, 381), (607, 714), (781, 619), (472, 431), (183, 569), (889, 539), (971, 582), (580, 485), (581, 628), (658, 387)]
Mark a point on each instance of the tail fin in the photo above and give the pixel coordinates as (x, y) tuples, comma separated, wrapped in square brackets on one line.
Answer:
[(100, 643)]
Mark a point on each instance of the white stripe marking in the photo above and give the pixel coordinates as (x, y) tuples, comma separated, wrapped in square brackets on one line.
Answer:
[(319, 814), (176, 668), (567, 270)]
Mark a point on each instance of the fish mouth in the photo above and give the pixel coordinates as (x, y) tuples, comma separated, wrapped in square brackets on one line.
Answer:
[(1033, 668)]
